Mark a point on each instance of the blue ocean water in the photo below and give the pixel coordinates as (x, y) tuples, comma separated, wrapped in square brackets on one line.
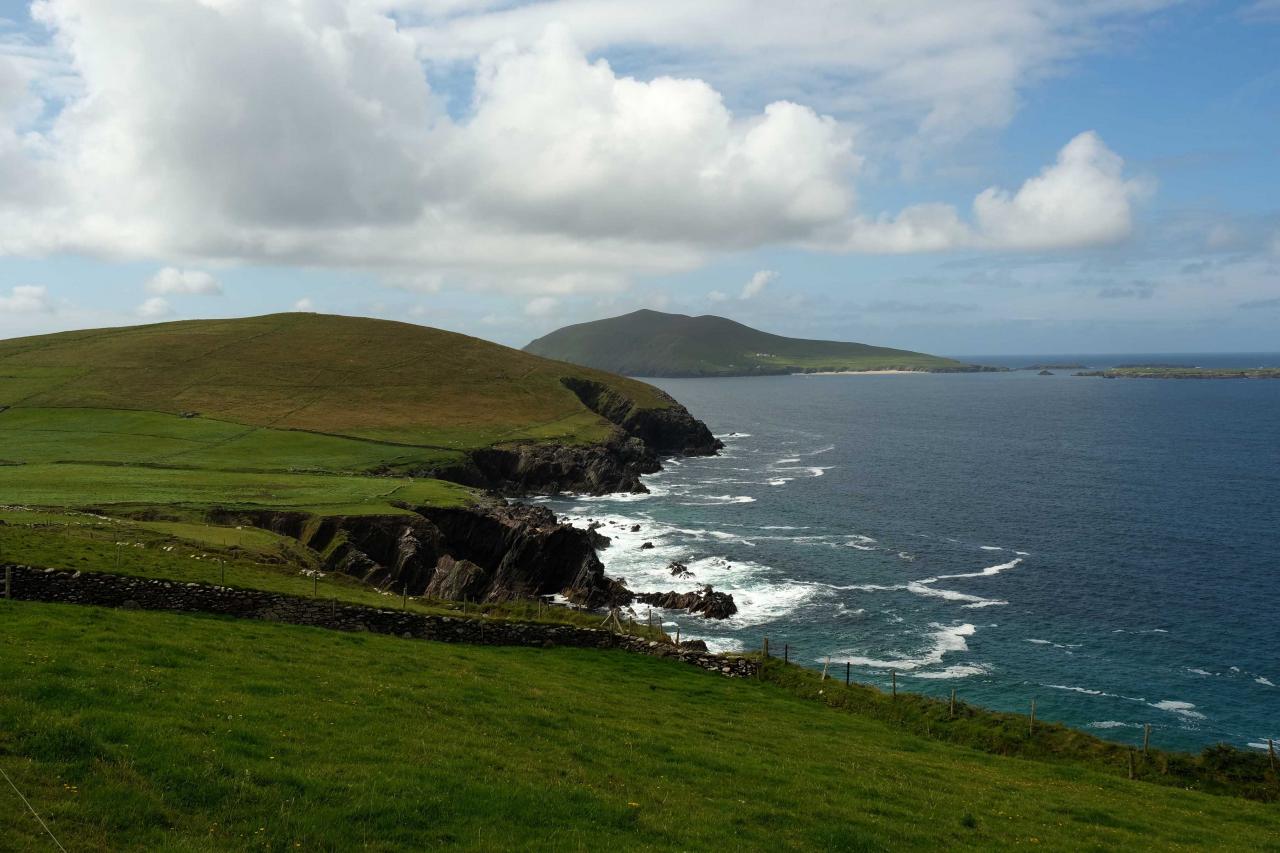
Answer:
[(1110, 548)]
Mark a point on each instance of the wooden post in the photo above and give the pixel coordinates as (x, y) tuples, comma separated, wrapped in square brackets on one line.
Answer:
[(766, 646), (894, 673), (825, 667), (786, 653), (848, 671), (1271, 747), (315, 584), (1146, 738), (677, 636), (8, 586), (404, 597), (1032, 729), (1130, 762), (951, 713), (650, 618)]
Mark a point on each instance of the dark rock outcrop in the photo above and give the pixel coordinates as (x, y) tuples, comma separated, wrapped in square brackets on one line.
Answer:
[(678, 569), (708, 602), (668, 431), (641, 438)]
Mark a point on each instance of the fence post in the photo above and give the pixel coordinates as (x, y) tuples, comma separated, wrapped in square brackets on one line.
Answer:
[(404, 596), (1032, 729), (677, 636), (951, 713), (786, 653), (315, 583), (1146, 738), (825, 667), (848, 671), (8, 585), (1130, 762), (223, 566), (894, 673), (766, 646), (1271, 752)]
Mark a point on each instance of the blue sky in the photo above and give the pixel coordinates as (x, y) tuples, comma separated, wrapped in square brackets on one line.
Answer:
[(503, 169)]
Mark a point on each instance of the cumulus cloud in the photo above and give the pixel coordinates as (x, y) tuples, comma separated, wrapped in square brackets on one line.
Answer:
[(758, 282), (1082, 199), (305, 304), (26, 299), (183, 136), (155, 308), (173, 281), (933, 70)]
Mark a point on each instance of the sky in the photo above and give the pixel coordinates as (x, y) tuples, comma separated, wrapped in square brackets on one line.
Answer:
[(985, 176)]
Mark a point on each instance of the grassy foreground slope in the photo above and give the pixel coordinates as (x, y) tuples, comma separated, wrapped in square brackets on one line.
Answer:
[(143, 731), (651, 343)]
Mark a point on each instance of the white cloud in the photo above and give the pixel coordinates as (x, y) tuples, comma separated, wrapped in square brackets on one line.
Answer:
[(26, 299), (542, 306), (716, 296), (758, 282), (173, 281), (1082, 199), (155, 308), (305, 304), (183, 136), (914, 67)]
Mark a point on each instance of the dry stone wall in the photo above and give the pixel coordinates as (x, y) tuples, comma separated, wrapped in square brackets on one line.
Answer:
[(29, 583)]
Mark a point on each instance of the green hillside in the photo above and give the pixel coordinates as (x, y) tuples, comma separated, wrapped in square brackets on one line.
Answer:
[(289, 410), (144, 731), (345, 376), (651, 343)]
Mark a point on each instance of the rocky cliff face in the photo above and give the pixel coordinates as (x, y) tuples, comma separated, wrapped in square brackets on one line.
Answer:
[(487, 553), (642, 437)]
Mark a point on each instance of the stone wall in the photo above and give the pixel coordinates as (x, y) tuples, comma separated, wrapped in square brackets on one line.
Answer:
[(29, 583)]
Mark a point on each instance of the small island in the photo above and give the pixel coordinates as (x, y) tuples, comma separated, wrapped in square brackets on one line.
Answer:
[(1185, 373), (654, 344)]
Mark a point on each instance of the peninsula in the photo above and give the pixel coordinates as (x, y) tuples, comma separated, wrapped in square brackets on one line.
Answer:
[(652, 343)]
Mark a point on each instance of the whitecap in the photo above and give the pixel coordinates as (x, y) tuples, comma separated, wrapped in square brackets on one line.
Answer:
[(960, 670), (1040, 642), (778, 481), (793, 459), (1184, 709), (985, 573), (1198, 671), (1264, 681), (990, 547), (1114, 724), (1086, 690), (945, 640)]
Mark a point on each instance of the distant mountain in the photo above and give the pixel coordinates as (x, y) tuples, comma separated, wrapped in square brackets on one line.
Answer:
[(651, 343)]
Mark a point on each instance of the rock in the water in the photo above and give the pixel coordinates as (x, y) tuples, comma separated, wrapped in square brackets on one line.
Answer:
[(635, 528), (708, 602), (693, 646), (648, 546), (1046, 373), (679, 569)]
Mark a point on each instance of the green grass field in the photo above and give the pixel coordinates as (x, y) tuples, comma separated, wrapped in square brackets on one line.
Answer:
[(143, 731)]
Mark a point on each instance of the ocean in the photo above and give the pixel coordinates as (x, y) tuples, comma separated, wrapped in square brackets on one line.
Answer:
[(1110, 548)]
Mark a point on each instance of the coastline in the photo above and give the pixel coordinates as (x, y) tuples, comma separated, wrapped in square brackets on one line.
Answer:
[(861, 373)]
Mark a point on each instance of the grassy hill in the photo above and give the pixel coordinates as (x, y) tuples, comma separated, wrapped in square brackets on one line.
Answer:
[(289, 410), (352, 377), (651, 343), (144, 731)]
